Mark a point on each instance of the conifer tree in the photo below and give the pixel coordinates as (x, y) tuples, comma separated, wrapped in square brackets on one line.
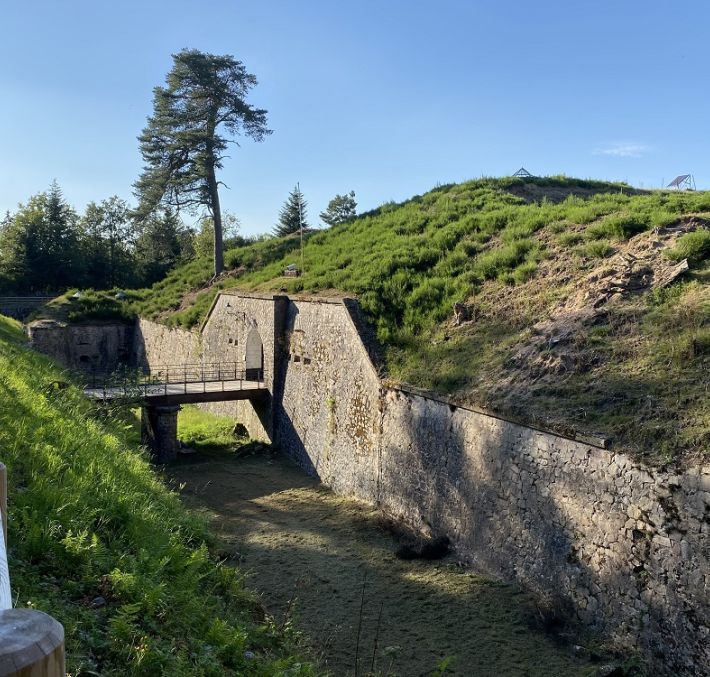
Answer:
[(340, 209), (195, 116), (292, 216), (40, 247)]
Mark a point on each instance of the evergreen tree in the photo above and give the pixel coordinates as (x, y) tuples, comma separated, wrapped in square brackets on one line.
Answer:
[(109, 236), (40, 247), (292, 216), (182, 145), (161, 244), (340, 209)]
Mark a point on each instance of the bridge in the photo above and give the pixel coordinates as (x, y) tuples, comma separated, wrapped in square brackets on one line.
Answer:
[(162, 389)]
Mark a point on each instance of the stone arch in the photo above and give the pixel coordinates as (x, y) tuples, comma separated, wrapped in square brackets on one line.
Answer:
[(254, 355)]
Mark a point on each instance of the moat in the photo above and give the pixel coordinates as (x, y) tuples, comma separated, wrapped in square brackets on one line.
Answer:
[(309, 553)]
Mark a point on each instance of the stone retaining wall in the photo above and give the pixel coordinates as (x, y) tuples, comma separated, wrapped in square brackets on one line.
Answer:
[(622, 548), (86, 348)]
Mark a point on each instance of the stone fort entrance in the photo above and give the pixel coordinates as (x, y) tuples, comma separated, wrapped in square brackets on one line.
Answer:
[(254, 355)]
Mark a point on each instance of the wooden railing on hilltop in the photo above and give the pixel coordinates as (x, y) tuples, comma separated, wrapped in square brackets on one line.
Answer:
[(31, 642)]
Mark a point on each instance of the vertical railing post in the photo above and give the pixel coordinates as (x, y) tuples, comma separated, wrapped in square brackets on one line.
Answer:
[(5, 594)]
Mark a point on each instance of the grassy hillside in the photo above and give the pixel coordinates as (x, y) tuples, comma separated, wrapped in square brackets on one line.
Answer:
[(99, 543), (519, 253)]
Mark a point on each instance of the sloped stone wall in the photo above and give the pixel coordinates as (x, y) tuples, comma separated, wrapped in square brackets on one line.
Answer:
[(623, 548)]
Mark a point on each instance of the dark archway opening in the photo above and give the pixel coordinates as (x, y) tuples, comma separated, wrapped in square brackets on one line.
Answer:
[(254, 356)]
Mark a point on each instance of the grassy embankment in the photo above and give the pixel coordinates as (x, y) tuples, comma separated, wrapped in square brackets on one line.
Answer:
[(514, 250), (97, 541)]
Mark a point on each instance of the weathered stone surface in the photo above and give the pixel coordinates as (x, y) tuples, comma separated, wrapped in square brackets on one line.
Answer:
[(87, 348), (625, 548)]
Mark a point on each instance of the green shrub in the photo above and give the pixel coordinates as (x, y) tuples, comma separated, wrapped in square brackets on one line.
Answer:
[(597, 249), (693, 246), (496, 262), (617, 227), (569, 239)]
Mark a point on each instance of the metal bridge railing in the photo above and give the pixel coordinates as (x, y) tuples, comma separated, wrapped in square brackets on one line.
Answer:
[(162, 379)]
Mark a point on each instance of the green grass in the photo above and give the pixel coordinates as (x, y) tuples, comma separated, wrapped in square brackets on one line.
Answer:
[(693, 246), (512, 248), (89, 518), (202, 430), (409, 262)]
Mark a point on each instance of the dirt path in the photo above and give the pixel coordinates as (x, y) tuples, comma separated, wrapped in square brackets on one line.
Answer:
[(306, 549)]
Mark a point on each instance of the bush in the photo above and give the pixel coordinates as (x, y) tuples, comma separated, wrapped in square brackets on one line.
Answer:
[(693, 246), (618, 227), (598, 249)]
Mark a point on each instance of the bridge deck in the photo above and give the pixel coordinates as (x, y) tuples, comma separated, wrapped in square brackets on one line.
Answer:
[(185, 384), (182, 393)]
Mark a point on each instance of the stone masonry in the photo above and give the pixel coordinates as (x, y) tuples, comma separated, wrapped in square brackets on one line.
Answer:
[(595, 535)]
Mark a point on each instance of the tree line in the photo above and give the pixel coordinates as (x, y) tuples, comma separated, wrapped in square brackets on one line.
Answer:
[(46, 246)]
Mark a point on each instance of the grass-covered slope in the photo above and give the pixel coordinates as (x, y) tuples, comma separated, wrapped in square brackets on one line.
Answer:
[(99, 543), (517, 252)]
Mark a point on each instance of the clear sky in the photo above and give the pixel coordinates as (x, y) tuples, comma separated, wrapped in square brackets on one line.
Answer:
[(386, 98)]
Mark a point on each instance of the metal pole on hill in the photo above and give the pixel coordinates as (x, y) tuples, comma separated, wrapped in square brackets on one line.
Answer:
[(300, 224)]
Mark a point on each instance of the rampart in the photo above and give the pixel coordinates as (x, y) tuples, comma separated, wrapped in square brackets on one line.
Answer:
[(623, 548)]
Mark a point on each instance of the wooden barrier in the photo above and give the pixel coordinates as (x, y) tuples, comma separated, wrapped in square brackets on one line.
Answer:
[(3, 500), (31, 642)]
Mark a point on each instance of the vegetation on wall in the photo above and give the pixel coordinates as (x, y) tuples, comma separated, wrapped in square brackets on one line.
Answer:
[(99, 543), (511, 249)]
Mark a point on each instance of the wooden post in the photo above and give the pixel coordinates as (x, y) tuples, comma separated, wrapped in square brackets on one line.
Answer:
[(31, 644)]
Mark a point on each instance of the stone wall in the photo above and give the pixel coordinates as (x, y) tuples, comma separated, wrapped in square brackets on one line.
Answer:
[(155, 344), (87, 348), (624, 549), (627, 551)]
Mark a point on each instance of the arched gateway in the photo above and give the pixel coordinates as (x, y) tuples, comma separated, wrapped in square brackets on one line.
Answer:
[(254, 356)]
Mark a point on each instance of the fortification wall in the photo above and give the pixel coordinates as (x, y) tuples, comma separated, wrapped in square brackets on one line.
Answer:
[(624, 549), (155, 344), (328, 415), (590, 531), (87, 348)]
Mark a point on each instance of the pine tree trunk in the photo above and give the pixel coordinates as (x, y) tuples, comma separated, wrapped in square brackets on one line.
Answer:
[(217, 220)]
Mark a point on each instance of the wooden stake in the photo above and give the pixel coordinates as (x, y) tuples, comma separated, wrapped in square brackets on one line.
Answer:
[(31, 644)]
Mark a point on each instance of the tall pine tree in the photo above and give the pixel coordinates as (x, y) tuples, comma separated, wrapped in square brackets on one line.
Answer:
[(202, 107)]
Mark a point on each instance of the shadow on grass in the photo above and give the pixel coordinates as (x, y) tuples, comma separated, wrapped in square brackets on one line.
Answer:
[(310, 553)]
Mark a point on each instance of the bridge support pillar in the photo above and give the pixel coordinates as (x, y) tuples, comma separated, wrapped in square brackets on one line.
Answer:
[(159, 432)]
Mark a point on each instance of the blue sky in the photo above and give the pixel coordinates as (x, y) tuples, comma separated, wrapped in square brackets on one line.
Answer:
[(384, 98)]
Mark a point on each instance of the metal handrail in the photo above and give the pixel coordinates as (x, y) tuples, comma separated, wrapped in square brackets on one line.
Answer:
[(152, 381)]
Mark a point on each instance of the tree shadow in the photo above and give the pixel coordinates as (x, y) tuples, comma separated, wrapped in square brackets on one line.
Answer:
[(562, 530)]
